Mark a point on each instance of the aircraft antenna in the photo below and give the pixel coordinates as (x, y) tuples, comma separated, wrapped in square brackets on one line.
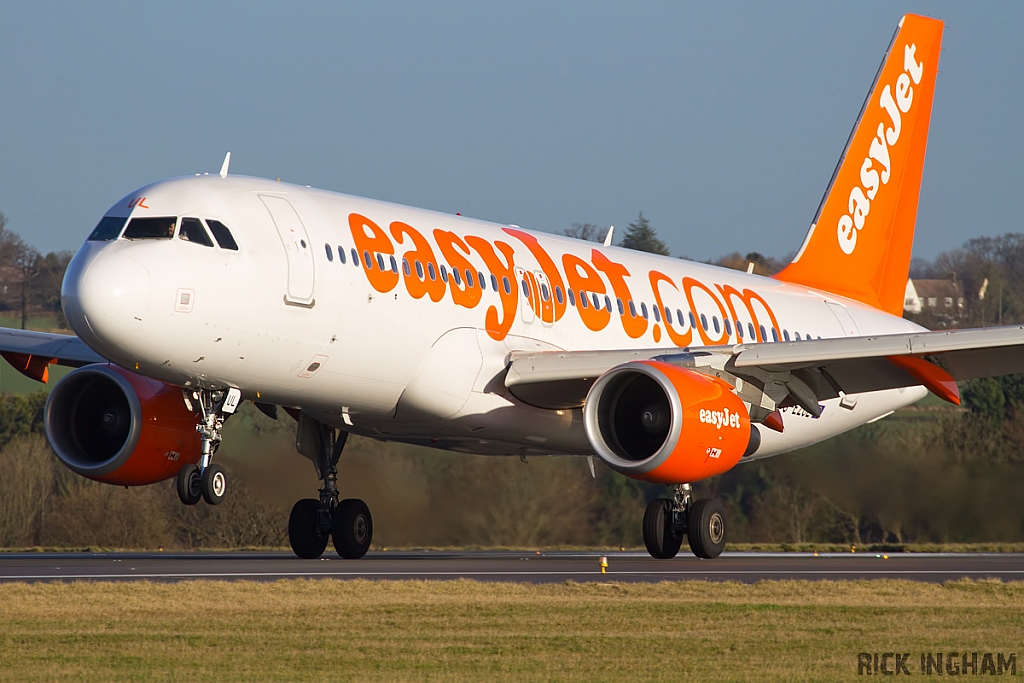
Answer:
[(608, 237), (224, 166)]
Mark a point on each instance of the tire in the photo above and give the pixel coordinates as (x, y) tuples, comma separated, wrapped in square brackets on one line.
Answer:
[(189, 485), (214, 484), (706, 529), (352, 528), (661, 539), (306, 542)]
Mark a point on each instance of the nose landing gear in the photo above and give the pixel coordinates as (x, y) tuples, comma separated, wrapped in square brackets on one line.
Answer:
[(313, 522), (207, 480), (667, 521)]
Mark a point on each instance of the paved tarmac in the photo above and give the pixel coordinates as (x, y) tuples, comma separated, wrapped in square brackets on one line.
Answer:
[(527, 567)]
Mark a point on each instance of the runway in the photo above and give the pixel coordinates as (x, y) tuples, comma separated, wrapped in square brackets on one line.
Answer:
[(508, 566)]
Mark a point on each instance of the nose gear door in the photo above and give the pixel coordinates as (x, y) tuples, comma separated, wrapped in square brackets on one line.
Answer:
[(297, 248)]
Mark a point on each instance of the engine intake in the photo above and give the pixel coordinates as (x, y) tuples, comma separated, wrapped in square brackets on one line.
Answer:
[(661, 423), (111, 425)]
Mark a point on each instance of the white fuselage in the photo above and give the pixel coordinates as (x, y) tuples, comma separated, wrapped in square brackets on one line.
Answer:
[(289, 321)]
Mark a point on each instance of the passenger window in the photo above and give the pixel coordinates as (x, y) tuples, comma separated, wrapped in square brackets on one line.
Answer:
[(419, 270), (366, 260), (469, 277), (693, 320), (750, 329), (193, 231), (739, 330), (430, 271), (226, 241), (785, 335), (330, 253), (494, 286), (681, 318), (355, 258), (544, 294), (597, 302), (483, 283), (558, 293), (657, 314), (632, 308), (108, 229), (508, 286), (394, 265), (151, 228), (572, 297), (668, 316), (607, 303), (458, 278), (728, 327), (704, 322), (444, 272), (764, 336), (341, 253), (583, 299), (380, 261), (775, 335), (714, 319), (643, 309), (405, 267), (618, 302)]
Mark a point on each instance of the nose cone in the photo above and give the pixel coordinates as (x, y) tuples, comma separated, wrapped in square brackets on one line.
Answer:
[(105, 295)]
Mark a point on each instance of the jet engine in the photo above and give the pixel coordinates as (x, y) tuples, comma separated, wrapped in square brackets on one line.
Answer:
[(114, 426), (664, 424)]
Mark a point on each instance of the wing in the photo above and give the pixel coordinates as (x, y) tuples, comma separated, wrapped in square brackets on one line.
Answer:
[(31, 353), (803, 372)]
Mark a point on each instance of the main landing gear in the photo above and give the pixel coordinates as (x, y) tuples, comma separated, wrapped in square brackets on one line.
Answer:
[(668, 520), (207, 480), (312, 522)]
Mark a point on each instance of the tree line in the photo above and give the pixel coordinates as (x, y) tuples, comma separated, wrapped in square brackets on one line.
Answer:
[(29, 280)]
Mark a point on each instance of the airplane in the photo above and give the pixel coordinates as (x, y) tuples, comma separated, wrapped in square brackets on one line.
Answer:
[(357, 316)]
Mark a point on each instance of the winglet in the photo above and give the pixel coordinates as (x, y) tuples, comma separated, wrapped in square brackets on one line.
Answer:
[(608, 237), (860, 241), (224, 166)]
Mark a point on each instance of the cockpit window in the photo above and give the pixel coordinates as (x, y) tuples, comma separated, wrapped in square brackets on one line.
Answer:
[(192, 231), (150, 228), (223, 235), (108, 228)]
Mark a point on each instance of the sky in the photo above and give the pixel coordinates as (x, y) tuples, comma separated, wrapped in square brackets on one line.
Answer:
[(721, 121)]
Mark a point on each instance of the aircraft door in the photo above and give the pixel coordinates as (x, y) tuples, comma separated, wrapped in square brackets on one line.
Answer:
[(297, 248), (545, 298), (529, 286), (845, 319)]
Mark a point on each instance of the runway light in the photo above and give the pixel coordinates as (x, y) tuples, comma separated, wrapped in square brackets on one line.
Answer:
[(885, 557), (853, 548), (878, 556), (604, 564), (815, 554)]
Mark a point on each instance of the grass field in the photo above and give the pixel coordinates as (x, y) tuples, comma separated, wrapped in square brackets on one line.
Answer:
[(305, 630)]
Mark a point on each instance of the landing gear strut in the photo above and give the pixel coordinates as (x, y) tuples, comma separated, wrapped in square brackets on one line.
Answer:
[(207, 480), (667, 521), (312, 522)]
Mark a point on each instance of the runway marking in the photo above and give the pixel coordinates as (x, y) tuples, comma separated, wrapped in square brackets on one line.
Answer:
[(710, 572)]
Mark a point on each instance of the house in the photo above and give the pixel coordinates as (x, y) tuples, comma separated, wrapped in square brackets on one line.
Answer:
[(938, 297)]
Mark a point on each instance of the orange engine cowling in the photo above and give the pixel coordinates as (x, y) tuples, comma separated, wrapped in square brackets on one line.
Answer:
[(664, 424), (115, 426)]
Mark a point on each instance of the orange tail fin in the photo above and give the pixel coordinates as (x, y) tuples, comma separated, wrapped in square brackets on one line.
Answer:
[(860, 241)]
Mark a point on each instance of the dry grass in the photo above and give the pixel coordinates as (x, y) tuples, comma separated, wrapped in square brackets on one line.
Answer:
[(306, 630)]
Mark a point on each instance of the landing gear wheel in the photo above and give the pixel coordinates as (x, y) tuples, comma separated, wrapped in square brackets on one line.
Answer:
[(660, 536), (352, 528), (214, 484), (706, 529), (189, 485), (306, 541)]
